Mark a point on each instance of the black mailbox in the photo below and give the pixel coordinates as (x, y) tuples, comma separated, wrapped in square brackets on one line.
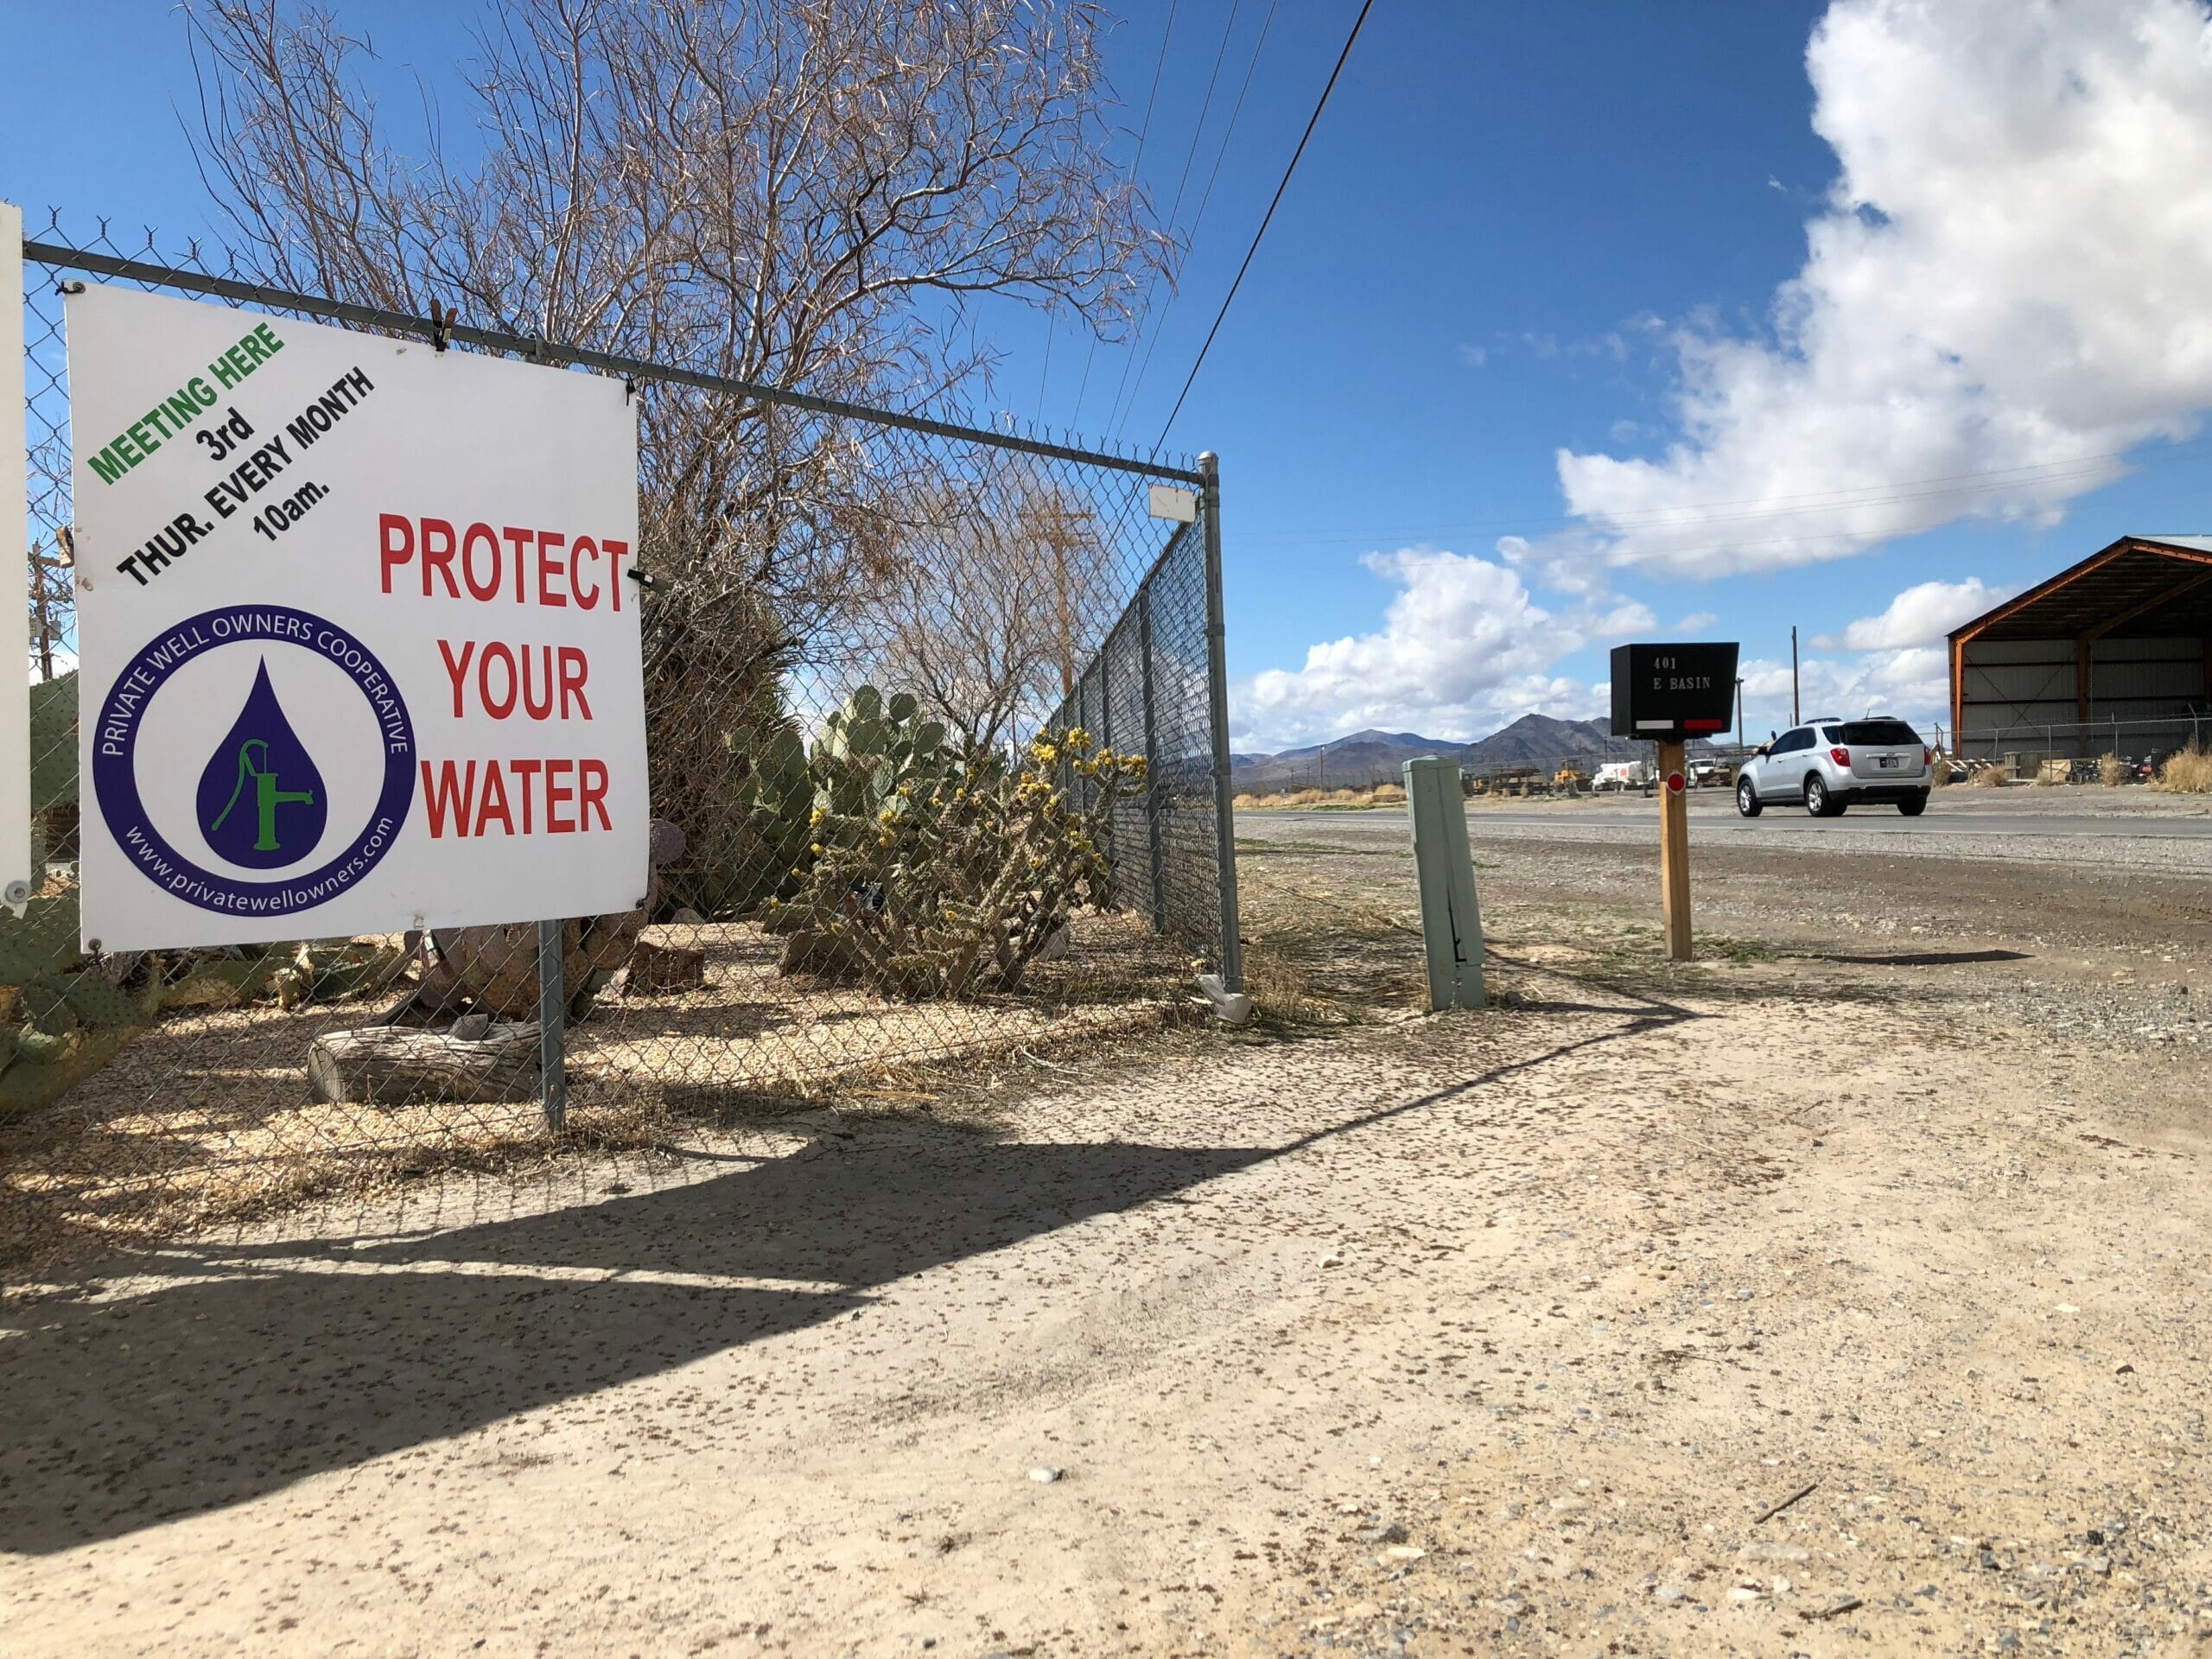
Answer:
[(1673, 691)]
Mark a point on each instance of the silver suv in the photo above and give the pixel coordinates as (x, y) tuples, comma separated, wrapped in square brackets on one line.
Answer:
[(1829, 764)]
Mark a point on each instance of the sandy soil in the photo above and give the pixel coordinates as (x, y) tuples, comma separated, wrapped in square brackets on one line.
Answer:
[(1492, 1333), (206, 1117)]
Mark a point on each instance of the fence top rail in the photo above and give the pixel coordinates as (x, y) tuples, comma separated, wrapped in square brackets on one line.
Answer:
[(62, 256)]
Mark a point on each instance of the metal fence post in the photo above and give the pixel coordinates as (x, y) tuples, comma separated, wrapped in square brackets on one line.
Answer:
[(1151, 755), (1224, 812), (1102, 733), (18, 880), (552, 1021)]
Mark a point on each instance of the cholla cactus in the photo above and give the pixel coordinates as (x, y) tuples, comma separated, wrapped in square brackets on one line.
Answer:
[(962, 872)]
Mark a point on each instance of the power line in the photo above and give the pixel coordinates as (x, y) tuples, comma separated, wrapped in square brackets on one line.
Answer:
[(1189, 156), (1198, 218), (1144, 131), (2074, 470), (1267, 219), (1843, 543), (1045, 374)]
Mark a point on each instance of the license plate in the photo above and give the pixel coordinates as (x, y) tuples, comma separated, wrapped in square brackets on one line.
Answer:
[(1886, 760)]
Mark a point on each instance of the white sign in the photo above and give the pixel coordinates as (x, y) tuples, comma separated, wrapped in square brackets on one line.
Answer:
[(358, 635), (1181, 505)]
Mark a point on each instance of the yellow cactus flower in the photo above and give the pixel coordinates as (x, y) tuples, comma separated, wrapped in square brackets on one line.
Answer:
[(816, 850)]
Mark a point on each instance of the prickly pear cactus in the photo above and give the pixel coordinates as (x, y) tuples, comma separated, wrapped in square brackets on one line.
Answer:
[(776, 802), (951, 881), (869, 750), (60, 1018), (872, 756)]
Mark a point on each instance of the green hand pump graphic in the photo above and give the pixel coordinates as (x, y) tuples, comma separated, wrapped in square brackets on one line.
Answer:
[(254, 763)]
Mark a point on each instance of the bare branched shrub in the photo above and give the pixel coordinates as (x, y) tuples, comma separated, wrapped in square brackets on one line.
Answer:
[(810, 195), (1993, 777), (998, 589), (2112, 771)]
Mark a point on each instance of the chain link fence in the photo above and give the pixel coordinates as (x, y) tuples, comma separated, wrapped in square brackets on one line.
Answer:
[(2028, 749), (866, 607)]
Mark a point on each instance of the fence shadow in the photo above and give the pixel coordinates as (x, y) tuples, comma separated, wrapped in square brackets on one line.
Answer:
[(1912, 958), (256, 1373), (267, 1364)]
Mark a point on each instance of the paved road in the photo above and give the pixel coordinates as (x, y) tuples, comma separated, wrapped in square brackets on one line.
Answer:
[(2131, 829), (1636, 819)]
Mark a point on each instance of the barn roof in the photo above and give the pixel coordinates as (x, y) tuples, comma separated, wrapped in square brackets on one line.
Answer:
[(2140, 587)]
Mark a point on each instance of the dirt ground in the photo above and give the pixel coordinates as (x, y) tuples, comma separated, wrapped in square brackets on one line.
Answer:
[(1841, 1292)]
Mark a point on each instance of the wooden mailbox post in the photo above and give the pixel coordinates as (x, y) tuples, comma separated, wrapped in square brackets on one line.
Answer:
[(1670, 694)]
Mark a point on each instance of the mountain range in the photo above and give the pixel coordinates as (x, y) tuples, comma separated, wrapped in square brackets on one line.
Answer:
[(1375, 757)]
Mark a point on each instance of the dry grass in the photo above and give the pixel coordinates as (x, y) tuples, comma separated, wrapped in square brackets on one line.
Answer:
[(206, 1120), (1991, 778), (1940, 774), (2112, 771), (2187, 771), (1284, 995), (1380, 794)]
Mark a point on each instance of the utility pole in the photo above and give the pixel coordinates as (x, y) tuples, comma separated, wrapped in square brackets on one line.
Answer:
[(1794, 716), (1060, 539), (42, 599), (1739, 711), (1322, 782)]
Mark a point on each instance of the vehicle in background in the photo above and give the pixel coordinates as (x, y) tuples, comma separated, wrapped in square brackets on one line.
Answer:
[(1707, 772), (1829, 764), (1623, 775)]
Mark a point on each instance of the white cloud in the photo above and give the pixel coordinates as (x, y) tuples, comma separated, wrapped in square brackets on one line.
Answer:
[(1914, 685), (2005, 289), (1919, 616), (1474, 356), (1894, 663), (1462, 648), (1696, 622)]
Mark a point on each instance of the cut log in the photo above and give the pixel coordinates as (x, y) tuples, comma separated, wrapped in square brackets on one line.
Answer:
[(656, 969), (392, 1065)]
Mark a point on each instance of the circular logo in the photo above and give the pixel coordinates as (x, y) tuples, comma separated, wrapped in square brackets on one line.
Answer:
[(261, 800), (1674, 783)]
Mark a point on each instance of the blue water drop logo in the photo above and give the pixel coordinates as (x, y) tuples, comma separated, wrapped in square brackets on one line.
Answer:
[(261, 802)]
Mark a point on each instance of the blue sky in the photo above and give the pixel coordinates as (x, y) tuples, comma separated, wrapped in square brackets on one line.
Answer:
[(1611, 232)]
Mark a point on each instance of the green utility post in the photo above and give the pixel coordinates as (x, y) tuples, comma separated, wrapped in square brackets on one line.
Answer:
[(1451, 924)]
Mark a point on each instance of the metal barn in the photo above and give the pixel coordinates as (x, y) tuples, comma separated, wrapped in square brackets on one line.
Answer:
[(2114, 654)]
